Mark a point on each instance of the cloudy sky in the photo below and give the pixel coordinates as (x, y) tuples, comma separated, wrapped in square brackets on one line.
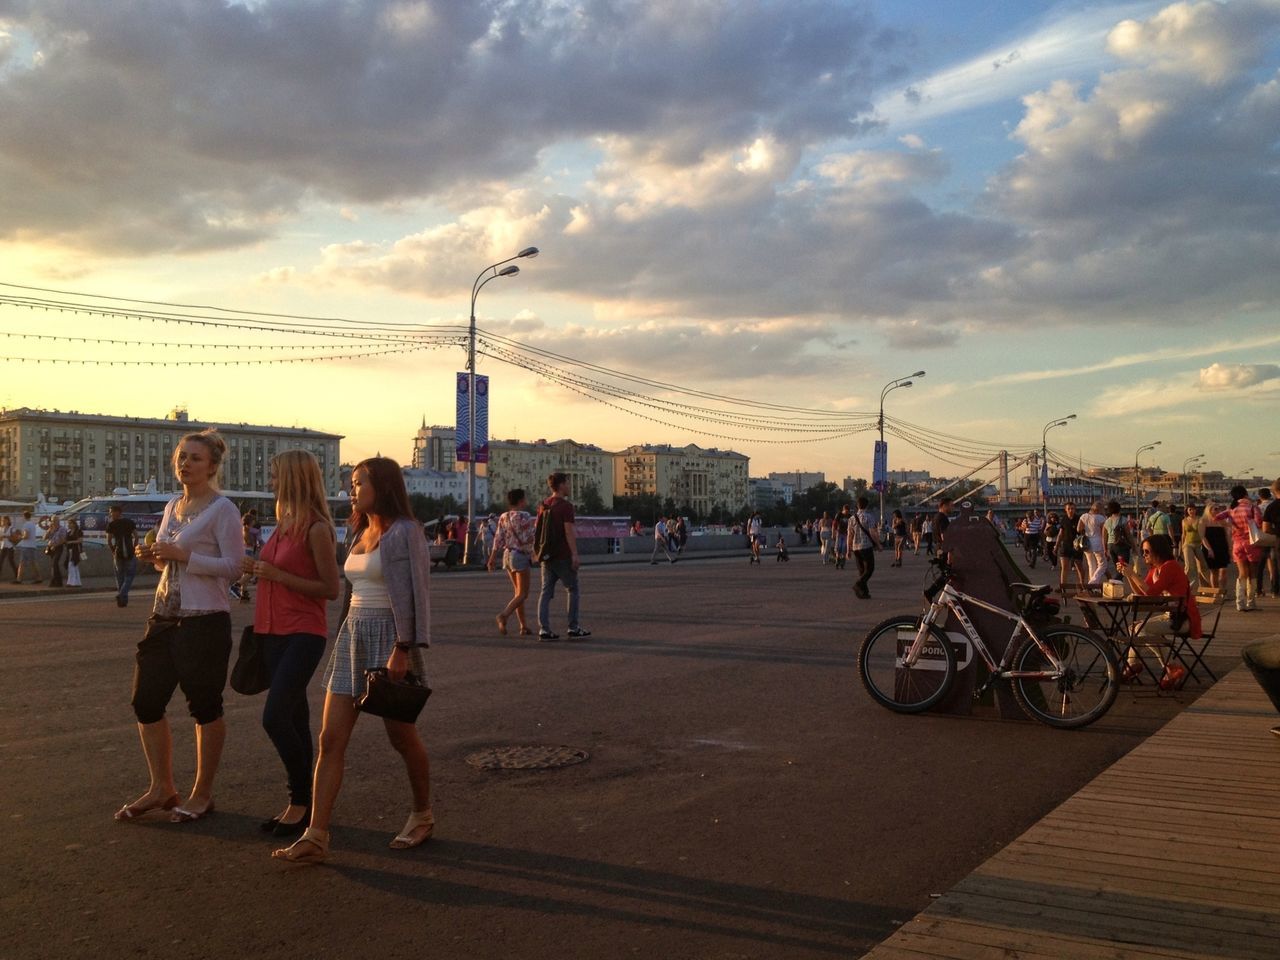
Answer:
[(1052, 208)]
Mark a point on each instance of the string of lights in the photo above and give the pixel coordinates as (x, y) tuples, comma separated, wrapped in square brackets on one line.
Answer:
[(668, 404), (668, 407), (106, 341), (231, 361)]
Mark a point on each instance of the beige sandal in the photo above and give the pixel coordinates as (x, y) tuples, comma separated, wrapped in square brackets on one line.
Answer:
[(419, 819), (311, 847)]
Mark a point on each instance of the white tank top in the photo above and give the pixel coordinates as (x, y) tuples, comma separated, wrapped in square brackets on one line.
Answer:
[(368, 589)]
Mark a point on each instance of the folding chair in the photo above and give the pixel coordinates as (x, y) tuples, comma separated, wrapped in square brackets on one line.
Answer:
[(1186, 648), (1142, 650)]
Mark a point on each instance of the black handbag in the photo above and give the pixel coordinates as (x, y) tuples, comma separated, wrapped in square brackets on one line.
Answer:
[(391, 699), (250, 675)]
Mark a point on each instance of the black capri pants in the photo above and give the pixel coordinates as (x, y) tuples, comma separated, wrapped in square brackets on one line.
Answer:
[(191, 653)]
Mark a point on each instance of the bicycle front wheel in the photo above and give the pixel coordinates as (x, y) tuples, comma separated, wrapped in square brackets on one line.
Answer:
[(895, 683), (1076, 696)]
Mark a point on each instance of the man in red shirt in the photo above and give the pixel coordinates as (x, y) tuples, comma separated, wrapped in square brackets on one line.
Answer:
[(555, 548)]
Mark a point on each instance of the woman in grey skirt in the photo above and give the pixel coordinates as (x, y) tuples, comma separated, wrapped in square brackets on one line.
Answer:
[(388, 625)]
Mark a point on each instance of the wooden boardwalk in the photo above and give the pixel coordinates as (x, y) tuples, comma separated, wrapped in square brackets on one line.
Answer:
[(1173, 853)]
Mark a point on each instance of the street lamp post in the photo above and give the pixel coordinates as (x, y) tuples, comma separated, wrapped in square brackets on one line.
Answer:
[(490, 272), (888, 388), (1187, 464), (1044, 458), (1140, 451)]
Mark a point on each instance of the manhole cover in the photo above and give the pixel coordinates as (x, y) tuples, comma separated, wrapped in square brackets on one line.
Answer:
[(526, 758)]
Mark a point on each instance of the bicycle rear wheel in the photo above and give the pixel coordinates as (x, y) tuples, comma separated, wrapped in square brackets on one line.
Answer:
[(893, 683), (1081, 694)]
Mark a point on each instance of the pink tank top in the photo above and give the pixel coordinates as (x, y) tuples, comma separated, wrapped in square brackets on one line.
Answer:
[(281, 611)]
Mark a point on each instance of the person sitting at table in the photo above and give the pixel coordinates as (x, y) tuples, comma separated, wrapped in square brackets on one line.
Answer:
[(1165, 577)]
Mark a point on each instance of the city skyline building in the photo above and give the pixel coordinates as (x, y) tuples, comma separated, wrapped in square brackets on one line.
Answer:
[(692, 476), (69, 455), (435, 448)]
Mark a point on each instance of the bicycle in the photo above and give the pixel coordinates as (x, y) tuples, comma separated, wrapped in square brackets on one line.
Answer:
[(1061, 675)]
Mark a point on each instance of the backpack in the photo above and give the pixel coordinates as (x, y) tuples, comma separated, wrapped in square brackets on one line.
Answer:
[(548, 538)]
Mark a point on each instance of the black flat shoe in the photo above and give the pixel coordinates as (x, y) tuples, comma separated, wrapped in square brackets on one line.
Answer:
[(293, 829), (269, 826)]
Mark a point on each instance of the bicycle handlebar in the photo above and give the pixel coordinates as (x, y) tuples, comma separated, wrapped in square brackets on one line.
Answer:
[(944, 575)]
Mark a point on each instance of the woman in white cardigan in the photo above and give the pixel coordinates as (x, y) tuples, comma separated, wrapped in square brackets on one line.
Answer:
[(187, 643)]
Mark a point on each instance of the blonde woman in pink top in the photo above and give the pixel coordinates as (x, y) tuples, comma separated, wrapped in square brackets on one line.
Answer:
[(297, 573)]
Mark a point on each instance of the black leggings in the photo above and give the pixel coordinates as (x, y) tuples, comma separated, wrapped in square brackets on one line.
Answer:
[(286, 716), (191, 653)]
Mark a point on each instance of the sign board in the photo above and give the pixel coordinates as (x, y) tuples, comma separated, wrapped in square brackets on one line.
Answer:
[(880, 467), (463, 430)]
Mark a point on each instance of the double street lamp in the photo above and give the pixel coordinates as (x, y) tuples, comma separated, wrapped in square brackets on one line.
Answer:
[(888, 388), (1044, 459), (490, 272), (1196, 461), (1141, 450)]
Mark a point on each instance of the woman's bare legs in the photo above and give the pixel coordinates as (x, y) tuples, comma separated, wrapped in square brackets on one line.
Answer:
[(157, 748), (404, 737), (520, 586)]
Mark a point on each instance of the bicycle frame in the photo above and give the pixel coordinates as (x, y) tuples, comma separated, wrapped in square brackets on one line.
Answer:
[(949, 598)]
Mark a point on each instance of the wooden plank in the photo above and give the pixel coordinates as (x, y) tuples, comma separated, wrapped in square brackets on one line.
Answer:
[(1171, 854)]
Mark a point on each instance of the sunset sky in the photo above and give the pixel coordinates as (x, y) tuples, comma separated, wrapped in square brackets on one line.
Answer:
[(1052, 208)]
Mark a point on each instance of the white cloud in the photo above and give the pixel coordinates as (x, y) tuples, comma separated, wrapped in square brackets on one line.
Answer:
[(1236, 376), (192, 126)]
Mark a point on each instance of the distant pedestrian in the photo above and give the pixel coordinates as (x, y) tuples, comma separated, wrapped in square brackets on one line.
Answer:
[(488, 530), (121, 541), (1193, 549), (1092, 527), (75, 552), (755, 537), (783, 556), (1242, 513), (917, 531), (55, 542), (514, 542), (681, 535), (28, 549), (862, 543), (926, 534), (898, 527), (942, 520), (1070, 558), (1217, 545), (556, 550), (1266, 569), (824, 537), (297, 574), (8, 549), (660, 541), (840, 536)]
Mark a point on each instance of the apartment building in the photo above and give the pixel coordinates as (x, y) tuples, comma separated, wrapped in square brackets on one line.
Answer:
[(72, 455), (516, 463), (700, 478)]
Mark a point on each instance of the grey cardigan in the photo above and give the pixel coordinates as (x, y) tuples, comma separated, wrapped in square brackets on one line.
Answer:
[(406, 566)]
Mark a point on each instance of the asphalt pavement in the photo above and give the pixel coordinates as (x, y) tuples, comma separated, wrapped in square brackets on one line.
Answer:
[(743, 798)]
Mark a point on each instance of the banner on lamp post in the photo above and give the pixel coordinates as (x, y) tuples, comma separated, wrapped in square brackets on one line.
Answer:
[(463, 430), (880, 467)]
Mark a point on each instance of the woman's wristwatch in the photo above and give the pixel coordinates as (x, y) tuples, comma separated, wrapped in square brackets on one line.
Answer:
[(404, 647)]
